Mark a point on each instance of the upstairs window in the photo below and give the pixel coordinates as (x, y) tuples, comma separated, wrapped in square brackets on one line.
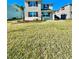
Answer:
[(33, 14), (46, 6), (32, 3)]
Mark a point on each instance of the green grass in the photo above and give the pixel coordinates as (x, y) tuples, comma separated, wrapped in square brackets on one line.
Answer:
[(44, 40)]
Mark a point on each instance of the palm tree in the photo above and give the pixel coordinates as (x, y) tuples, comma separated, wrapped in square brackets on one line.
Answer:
[(20, 8)]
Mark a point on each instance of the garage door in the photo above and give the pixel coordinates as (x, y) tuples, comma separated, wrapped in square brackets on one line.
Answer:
[(63, 16)]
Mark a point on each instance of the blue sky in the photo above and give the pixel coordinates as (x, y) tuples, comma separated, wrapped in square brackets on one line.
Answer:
[(56, 6)]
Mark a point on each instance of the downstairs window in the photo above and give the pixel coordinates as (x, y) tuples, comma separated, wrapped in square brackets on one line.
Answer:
[(33, 14)]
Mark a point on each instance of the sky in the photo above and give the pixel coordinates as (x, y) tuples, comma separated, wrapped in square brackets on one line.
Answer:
[(56, 3)]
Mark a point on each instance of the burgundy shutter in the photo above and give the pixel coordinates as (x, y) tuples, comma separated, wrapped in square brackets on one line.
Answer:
[(28, 3), (36, 3), (36, 14), (28, 14)]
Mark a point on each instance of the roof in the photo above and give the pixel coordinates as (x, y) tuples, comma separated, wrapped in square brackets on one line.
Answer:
[(66, 5)]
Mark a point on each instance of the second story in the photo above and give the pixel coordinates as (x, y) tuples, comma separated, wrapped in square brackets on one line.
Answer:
[(33, 5), (37, 5)]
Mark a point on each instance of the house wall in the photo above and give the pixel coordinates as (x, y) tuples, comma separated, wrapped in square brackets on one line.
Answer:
[(68, 10), (32, 9)]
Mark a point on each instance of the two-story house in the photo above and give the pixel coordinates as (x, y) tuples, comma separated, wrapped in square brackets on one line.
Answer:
[(34, 9)]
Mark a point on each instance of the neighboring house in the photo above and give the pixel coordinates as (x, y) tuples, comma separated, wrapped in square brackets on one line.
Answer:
[(34, 9), (64, 12), (12, 12)]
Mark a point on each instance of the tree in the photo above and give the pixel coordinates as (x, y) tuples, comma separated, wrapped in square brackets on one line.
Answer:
[(20, 8)]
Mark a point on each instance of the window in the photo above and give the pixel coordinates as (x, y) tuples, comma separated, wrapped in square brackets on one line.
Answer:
[(33, 14), (46, 6), (45, 14), (33, 3)]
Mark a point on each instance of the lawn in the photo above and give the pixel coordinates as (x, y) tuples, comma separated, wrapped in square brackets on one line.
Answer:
[(40, 40)]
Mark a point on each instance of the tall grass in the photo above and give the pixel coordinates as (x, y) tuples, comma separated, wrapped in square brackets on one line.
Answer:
[(45, 40)]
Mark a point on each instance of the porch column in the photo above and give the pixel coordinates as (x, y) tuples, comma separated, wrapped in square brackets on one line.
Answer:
[(53, 17)]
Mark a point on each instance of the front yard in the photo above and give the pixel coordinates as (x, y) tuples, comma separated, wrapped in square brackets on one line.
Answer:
[(42, 40)]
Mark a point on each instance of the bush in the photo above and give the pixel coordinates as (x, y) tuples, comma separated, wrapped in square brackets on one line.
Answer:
[(14, 18)]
